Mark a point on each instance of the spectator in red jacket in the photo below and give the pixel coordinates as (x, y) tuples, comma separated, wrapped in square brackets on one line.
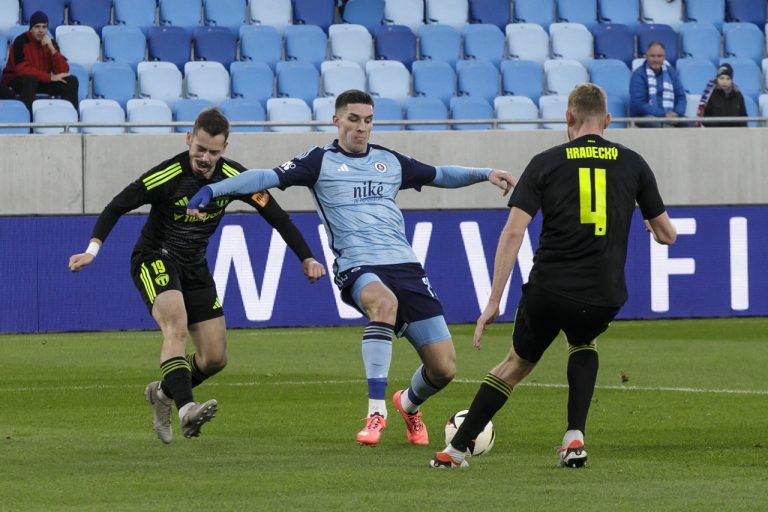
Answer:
[(35, 65)]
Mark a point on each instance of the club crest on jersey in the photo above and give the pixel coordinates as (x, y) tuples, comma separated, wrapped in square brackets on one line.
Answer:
[(162, 280), (380, 167)]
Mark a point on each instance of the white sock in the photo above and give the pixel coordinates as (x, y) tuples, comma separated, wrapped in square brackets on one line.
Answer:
[(571, 435), (455, 454), (406, 403), (184, 409), (377, 407)]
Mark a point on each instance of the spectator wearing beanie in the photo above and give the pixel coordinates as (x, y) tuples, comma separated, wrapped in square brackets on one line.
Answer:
[(722, 98), (35, 65)]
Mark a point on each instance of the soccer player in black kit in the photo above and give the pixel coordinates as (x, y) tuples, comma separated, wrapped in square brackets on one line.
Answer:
[(170, 269), (586, 191)]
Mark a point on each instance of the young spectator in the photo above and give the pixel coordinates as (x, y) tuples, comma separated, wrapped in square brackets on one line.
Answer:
[(721, 98), (655, 89), (35, 65)]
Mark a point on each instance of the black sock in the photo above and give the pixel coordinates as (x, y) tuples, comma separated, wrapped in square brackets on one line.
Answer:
[(491, 397), (177, 380), (582, 374), (198, 377)]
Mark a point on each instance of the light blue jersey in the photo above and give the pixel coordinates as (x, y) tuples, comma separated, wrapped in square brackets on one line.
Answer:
[(355, 197)]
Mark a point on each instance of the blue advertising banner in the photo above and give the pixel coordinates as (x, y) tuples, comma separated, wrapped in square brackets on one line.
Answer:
[(713, 270)]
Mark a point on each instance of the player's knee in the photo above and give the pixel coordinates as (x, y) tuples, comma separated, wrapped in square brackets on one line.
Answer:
[(383, 309), (213, 363), (443, 373)]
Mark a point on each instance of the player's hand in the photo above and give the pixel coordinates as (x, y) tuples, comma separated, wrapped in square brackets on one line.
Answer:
[(202, 198), (313, 269), (503, 180), (79, 261), (489, 316)]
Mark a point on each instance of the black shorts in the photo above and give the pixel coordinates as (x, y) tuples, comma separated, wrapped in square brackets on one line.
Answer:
[(541, 316), (154, 273)]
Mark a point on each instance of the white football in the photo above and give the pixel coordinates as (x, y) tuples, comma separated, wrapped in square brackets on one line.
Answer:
[(478, 446)]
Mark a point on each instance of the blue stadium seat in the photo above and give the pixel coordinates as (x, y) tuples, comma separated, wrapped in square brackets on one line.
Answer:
[(650, 32), (395, 42), (253, 81), (752, 111), (498, 12), (522, 78), (447, 12), (240, 109), (207, 81), (571, 41), (3, 51), (695, 73), (367, 13), (700, 40), (180, 13), (440, 42), (169, 44), (9, 17), (53, 111), (469, 107), (341, 75), (562, 75), (225, 13), (614, 41), (422, 108), (350, 42), (114, 81), (13, 111), (261, 43), (477, 78), (79, 43), (747, 11), (314, 12), (527, 41), (540, 12), (272, 13), (147, 110), (516, 107), (216, 44), (404, 12), (746, 75), (102, 111), (388, 79), (762, 103), (484, 42), (617, 107), (136, 13), (290, 110), (83, 79), (93, 13), (53, 8), (612, 75), (666, 12), (159, 80), (186, 110), (387, 109), (553, 107), (743, 40), (306, 43), (298, 79), (323, 109), (577, 11), (625, 12), (434, 79), (125, 44), (707, 11), (692, 104)]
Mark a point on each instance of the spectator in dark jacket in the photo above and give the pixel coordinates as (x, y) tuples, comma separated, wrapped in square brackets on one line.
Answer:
[(655, 89), (35, 65), (723, 99)]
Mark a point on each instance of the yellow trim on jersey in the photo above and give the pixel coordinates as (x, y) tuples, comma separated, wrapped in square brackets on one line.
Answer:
[(148, 286), (229, 170), (160, 177)]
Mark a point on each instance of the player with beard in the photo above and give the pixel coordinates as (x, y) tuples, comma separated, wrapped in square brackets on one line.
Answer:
[(170, 268)]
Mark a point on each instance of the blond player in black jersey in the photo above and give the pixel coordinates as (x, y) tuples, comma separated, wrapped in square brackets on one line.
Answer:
[(170, 269), (586, 191)]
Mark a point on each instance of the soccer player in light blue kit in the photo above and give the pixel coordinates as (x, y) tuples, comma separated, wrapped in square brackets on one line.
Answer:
[(354, 185)]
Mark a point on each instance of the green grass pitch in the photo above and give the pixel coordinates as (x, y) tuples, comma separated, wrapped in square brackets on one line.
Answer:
[(679, 421)]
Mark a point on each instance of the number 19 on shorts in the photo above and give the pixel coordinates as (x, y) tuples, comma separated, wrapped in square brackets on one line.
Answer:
[(592, 198)]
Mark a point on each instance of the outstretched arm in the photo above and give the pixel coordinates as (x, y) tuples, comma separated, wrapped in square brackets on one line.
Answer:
[(253, 180), (454, 176)]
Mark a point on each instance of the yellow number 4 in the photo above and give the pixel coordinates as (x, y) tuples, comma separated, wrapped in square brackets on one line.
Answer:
[(592, 198)]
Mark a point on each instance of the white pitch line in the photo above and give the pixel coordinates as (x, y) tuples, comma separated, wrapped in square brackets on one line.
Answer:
[(666, 389)]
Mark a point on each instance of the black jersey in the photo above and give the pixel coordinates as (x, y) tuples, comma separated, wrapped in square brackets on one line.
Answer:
[(183, 238), (586, 191)]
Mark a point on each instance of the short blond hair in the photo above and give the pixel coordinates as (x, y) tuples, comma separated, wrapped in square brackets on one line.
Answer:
[(588, 101)]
